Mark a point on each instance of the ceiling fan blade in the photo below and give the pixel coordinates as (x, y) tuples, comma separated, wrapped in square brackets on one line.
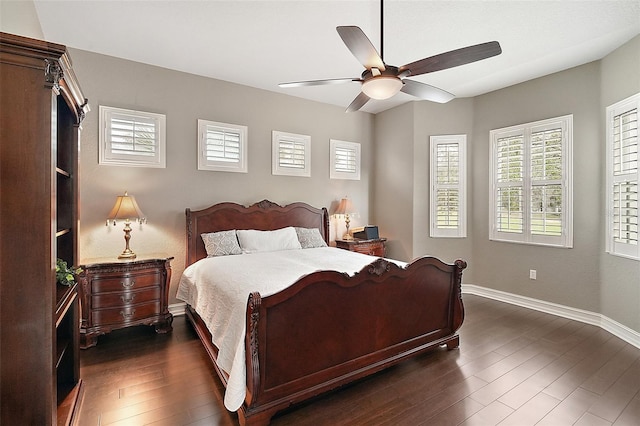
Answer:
[(453, 58), (319, 82), (426, 92), (360, 45), (358, 102)]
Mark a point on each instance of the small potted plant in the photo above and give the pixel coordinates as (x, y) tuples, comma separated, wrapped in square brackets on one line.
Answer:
[(64, 274)]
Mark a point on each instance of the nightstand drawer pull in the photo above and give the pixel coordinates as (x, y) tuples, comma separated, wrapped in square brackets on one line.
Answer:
[(128, 284), (128, 315), (129, 299)]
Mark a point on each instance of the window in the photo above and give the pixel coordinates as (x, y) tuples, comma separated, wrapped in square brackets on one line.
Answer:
[(131, 138), (222, 147), (291, 154), (622, 178), (531, 197), (345, 160), (448, 186)]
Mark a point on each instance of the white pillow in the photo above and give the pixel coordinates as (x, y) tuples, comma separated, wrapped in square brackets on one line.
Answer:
[(252, 241), (310, 238), (221, 243)]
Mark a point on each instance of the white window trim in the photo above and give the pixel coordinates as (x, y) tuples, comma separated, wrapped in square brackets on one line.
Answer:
[(336, 145), (277, 168), (461, 230), (240, 166), (565, 240), (106, 156), (616, 248)]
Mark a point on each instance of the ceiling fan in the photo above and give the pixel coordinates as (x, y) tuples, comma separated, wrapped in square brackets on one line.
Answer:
[(382, 81)]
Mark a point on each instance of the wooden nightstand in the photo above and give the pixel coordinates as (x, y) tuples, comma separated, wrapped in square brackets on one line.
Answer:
[(116, 294), (374, 247)]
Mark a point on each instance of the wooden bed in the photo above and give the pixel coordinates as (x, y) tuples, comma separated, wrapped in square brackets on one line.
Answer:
[(337, 328)]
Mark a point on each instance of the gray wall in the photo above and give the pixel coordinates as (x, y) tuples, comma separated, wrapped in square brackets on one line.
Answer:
[(393, 192), (455, 117), (583, 277), (565, 276), (163, 194), (620, 278), (393, 180)]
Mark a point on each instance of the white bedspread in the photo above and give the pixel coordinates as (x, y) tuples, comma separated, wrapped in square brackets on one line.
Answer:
[(218, 289)]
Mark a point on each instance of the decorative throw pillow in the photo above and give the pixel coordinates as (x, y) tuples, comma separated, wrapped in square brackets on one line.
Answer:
[(253, 241), (310, 237), (221, 243)]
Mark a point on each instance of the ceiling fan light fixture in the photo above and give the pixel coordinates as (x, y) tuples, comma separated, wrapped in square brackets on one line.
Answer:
[(382, 87)]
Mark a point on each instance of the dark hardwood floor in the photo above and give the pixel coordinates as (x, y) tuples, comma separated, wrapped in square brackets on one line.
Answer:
[(514, 367)]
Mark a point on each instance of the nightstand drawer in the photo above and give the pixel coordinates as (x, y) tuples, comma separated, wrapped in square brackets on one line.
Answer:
[(126, 298), (125, 314), (375, 247), (372, 249), (119, 294), (126, 282)]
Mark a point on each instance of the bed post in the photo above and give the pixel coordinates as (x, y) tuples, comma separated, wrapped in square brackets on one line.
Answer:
[(458, 309), (251, 344)]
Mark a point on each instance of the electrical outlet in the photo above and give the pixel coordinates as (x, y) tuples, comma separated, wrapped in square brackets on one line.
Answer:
[(532, 274)]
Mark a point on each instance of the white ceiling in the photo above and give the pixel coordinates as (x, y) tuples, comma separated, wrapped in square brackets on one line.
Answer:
[(263, 43)]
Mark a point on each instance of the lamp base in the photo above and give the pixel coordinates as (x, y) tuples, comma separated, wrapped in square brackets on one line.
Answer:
[(127, 254), (347, 236)]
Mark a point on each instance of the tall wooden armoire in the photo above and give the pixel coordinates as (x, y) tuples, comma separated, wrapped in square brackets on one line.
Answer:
[(41, 108)]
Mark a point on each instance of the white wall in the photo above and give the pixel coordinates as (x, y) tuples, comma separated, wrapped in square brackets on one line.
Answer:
[(21, 18)]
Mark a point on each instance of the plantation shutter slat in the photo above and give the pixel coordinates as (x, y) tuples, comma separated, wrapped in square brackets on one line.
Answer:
[(132, 136), (222, 145), (447, 179), (292, 154), (546, 181), (625, 178), (447, 186), (510, 165), (345, 160)]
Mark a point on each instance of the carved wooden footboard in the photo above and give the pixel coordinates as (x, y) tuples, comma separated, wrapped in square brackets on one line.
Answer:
[(329, 329)]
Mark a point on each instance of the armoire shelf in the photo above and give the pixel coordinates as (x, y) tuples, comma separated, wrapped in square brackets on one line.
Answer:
[(41, 109)]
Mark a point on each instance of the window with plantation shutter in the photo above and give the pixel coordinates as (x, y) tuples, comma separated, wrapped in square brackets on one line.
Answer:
[(222, 147), (291, 154), (531, 199), (345, 160), (131, 138), (448, 186), (622, 178)]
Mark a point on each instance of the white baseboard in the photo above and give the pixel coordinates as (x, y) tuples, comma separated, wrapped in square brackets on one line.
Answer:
[(623, 332), (177, 309)]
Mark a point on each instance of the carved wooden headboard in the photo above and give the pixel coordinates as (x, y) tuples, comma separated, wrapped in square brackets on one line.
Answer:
[(264, 216)]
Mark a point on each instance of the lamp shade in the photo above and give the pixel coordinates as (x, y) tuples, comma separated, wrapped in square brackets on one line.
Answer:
[(345, 207), (126, 207)]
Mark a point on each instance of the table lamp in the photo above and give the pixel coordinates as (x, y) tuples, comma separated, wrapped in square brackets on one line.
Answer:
[(126, 208), (345, 208)]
